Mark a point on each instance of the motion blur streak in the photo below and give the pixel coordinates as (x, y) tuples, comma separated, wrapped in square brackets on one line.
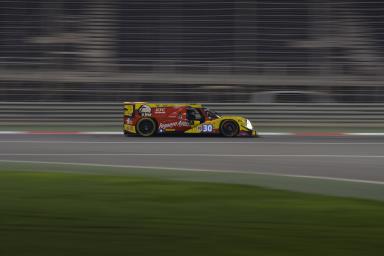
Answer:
[(308, 156), (207, 51)]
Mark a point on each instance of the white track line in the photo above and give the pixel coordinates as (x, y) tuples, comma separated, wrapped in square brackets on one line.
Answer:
[(364, 133), (190, 155), (301, 134), (199, 170), (187, 142), (11, 132), (113, 133)]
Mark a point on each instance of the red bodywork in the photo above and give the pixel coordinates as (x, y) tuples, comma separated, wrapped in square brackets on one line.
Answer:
[(168, 118)]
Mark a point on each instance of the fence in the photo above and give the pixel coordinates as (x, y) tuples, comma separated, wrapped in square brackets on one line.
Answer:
[(13, 114), (247, 37)]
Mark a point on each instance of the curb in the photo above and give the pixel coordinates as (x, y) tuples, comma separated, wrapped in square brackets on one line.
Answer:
[(296, 134)]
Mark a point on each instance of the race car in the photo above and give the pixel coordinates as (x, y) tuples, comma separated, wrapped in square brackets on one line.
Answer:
[(149, 119)]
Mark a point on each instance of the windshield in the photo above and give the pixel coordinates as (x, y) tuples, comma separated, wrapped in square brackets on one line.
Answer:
[(211, 114)]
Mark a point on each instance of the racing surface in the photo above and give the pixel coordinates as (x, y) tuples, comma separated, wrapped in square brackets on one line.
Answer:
[(354, 157)]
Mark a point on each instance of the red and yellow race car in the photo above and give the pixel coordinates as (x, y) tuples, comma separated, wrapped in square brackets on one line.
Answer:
[(147, 119)]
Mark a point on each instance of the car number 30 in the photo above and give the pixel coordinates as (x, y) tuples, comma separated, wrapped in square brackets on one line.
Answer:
[(207, 128)]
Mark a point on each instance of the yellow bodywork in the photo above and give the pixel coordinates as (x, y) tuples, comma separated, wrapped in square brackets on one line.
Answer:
[(241, 121)]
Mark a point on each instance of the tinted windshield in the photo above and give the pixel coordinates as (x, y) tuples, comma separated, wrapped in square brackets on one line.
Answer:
[(193, 114), (211, 114)]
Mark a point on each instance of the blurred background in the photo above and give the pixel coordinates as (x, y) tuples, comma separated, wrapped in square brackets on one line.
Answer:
[(216, 51)]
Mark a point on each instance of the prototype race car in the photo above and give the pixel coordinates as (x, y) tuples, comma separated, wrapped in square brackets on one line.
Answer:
[(148, 119)]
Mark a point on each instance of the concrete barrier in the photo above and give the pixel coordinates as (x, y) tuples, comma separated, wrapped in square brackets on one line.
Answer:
[(110, 114)]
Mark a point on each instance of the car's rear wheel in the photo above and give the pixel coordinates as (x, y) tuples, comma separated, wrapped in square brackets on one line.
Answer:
[(146, 127), (229, 128)]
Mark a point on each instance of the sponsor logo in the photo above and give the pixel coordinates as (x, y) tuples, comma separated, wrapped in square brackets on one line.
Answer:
[(145, 110), (159, 110), (174, 124)]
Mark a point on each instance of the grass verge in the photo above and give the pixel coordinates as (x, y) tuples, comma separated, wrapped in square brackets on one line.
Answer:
[(72, 214)]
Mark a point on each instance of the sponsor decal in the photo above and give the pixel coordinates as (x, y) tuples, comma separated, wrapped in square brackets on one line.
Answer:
[(128, 121), (159, 110), (145, 110), (174, 124)]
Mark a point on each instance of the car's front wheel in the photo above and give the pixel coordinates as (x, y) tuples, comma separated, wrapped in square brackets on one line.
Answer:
[(146, 127), (229, 128)]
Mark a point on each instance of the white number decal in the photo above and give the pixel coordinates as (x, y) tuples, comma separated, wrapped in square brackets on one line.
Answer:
[(207, 128)]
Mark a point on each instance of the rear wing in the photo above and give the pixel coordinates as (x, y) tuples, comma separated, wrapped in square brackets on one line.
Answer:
[(129, 109)]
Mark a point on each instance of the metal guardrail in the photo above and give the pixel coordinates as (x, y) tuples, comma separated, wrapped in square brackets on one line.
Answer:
[(110, 114)]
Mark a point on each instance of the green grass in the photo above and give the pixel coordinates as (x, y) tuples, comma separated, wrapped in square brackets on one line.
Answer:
[(72, 214)]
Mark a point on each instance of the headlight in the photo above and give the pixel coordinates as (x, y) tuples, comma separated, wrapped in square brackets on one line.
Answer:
[(249, 125)]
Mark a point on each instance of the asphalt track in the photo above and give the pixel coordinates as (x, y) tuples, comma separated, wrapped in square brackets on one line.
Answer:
[(347, 157)]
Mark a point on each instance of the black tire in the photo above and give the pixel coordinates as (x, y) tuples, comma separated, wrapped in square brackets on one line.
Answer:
[(146, 127), (229, 128)]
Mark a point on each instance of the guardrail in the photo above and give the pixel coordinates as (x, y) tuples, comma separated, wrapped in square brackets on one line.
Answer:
[(110, 114)]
